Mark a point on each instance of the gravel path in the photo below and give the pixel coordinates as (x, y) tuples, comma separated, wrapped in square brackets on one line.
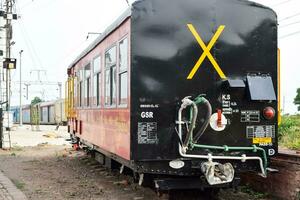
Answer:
[(58, 172)]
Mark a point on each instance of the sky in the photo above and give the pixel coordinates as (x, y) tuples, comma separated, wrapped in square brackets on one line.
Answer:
[(53, 32), (289, 44)]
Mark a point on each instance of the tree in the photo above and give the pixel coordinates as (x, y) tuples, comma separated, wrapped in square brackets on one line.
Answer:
[(36, 100), (297, 99)]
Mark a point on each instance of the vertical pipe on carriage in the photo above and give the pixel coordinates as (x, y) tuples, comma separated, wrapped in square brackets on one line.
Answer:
[(279, 87), (71, 95), (67, 99), (67, 103)]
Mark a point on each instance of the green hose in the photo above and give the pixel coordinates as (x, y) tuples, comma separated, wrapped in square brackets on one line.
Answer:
[(200, 99), (226, 148)]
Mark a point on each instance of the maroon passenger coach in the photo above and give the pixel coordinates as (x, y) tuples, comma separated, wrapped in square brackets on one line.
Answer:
[(182, 91)]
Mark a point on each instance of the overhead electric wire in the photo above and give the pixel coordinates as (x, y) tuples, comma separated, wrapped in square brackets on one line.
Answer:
[(24, 30), (31, 49), (290, 24), (28, 45), (290, 34), (43, 6), (289, 17), (284, 2)]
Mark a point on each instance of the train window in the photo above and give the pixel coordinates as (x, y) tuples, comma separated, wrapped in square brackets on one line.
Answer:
[(111, 57), (80, 93), (107, 87), (97, 65), (88, 91), (123, 77), (123, 88), (97, 80), (87, 72), (110, 76), (99, 83), (123, 55), (113, 85), (81, 75), (110, 86), (97, 88)]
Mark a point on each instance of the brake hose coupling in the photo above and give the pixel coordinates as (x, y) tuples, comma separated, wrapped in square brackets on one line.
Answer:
[(186, 101)]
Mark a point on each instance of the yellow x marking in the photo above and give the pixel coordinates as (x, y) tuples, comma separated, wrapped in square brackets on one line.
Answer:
[(206, 51)]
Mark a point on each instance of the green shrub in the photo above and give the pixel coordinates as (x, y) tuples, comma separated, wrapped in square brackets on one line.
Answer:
[(289, 132)]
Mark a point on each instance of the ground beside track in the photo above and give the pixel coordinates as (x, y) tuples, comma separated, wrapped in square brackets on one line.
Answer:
[(57, 172), (48, 171)]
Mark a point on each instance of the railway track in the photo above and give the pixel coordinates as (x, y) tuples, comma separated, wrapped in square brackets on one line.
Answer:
[(288, 156), (283, 184)]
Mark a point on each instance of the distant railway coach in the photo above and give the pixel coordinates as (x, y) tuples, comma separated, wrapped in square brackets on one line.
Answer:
[(178, 90), (45, 113), (26, 114)]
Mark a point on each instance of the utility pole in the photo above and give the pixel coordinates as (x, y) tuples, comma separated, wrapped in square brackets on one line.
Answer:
[(8, 63), (8, 38), (21, 117)]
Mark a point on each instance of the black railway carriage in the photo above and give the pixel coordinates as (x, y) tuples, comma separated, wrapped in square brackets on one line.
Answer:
[(203, 90)]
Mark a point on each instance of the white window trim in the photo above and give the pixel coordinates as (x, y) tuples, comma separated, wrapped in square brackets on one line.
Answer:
[(123, 105), (113, 105)]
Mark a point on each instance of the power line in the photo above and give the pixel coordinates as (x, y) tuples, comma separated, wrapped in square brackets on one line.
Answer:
[(42, 6), (289, 17), (284, 2), (24, 30), (288, 35), (29, 41), (31, 54), (286, 25)]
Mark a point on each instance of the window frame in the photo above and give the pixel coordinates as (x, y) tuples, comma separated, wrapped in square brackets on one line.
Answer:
[(75, 90), (87, 91), (110, 68), (80, 88), (98, 74), (123, 105)]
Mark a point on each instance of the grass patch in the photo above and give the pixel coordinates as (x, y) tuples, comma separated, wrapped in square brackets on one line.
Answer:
[(289, 132), (254, 195), (17, 148), (20, 185)]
